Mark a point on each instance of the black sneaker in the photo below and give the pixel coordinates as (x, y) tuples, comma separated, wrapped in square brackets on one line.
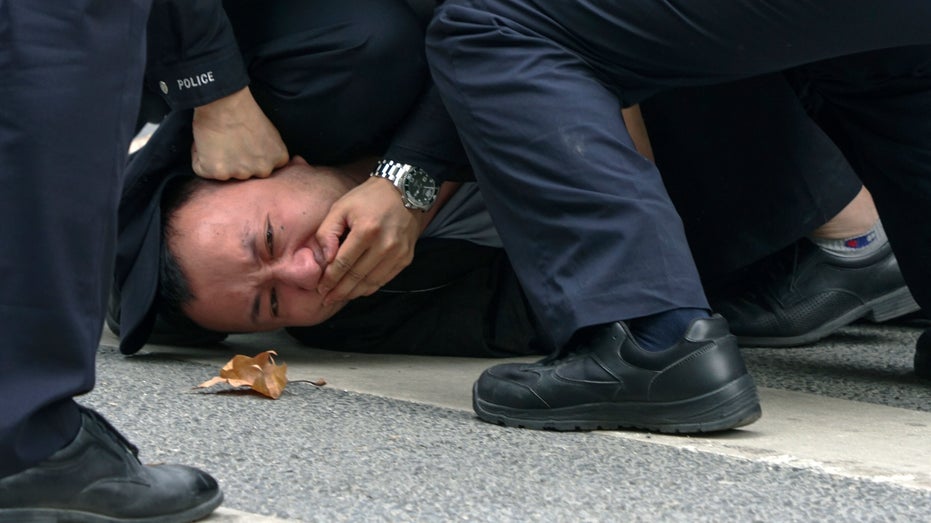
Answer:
[(608, 382), (97, 478), (805, 294)]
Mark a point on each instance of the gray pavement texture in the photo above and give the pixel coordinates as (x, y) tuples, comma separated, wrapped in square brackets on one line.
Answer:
[(325, 454), (863, 362)]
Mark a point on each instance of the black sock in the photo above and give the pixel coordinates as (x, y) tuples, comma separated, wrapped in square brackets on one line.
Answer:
[(662, 330)]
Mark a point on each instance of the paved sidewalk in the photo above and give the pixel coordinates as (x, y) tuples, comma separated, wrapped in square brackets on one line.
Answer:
[(845, 436)]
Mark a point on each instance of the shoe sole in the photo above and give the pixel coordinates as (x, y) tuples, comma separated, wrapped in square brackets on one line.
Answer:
[(889, 306), (733, 405), (49, 515)]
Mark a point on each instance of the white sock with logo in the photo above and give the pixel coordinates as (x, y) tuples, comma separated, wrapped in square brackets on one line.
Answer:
[(856, 247)]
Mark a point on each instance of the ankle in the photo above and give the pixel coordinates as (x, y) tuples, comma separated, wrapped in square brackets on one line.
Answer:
[(660, 331), (856, 219), (854, 247)]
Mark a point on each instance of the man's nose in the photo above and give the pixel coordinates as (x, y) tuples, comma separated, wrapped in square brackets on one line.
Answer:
[(299, 270)]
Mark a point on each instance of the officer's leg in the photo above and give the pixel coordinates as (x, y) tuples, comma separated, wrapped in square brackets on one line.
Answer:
[(721, 147), (594, 239), (877, 107), (751, 173), (64, 133), (584, 218), (71, 73)]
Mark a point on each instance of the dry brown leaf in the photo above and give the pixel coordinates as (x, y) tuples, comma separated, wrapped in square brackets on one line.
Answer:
[(260, 373)]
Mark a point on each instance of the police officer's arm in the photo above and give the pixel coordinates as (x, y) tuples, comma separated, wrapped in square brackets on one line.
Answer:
[(382, 232), (195, 62), (234, 139)]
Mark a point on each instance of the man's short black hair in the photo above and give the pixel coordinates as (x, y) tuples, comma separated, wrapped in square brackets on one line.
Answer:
[(148, 286), (174, 288)]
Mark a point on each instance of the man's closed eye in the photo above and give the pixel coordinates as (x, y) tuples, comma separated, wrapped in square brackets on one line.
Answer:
[(270, 245)]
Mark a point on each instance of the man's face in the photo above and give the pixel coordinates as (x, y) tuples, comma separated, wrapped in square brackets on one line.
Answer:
[(249, 252)]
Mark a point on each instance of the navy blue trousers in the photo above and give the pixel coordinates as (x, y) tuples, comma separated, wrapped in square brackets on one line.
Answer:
[(747, 169), (71, 75), (536, 87)]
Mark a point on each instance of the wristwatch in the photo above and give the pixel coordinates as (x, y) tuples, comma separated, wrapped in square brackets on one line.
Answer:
[(418, 189)]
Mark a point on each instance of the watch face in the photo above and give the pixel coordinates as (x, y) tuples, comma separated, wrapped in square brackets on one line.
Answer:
[(419, 188)]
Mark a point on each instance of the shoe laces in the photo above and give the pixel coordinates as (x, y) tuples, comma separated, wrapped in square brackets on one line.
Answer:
[(110, 430)]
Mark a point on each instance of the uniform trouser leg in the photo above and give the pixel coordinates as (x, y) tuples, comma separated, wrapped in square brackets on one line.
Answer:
[(747, 169), (71, 74), (586, 221), (535, 92)]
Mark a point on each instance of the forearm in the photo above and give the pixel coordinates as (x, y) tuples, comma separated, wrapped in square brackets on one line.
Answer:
[(193, 58)]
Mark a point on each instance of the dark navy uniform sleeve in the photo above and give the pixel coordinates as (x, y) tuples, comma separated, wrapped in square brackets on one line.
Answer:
[(428, 139), (193, 58)]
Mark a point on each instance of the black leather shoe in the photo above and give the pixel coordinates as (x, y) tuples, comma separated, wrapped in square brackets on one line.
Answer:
[(609, 382), (923, 355), (805, 294), (98, 479)]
